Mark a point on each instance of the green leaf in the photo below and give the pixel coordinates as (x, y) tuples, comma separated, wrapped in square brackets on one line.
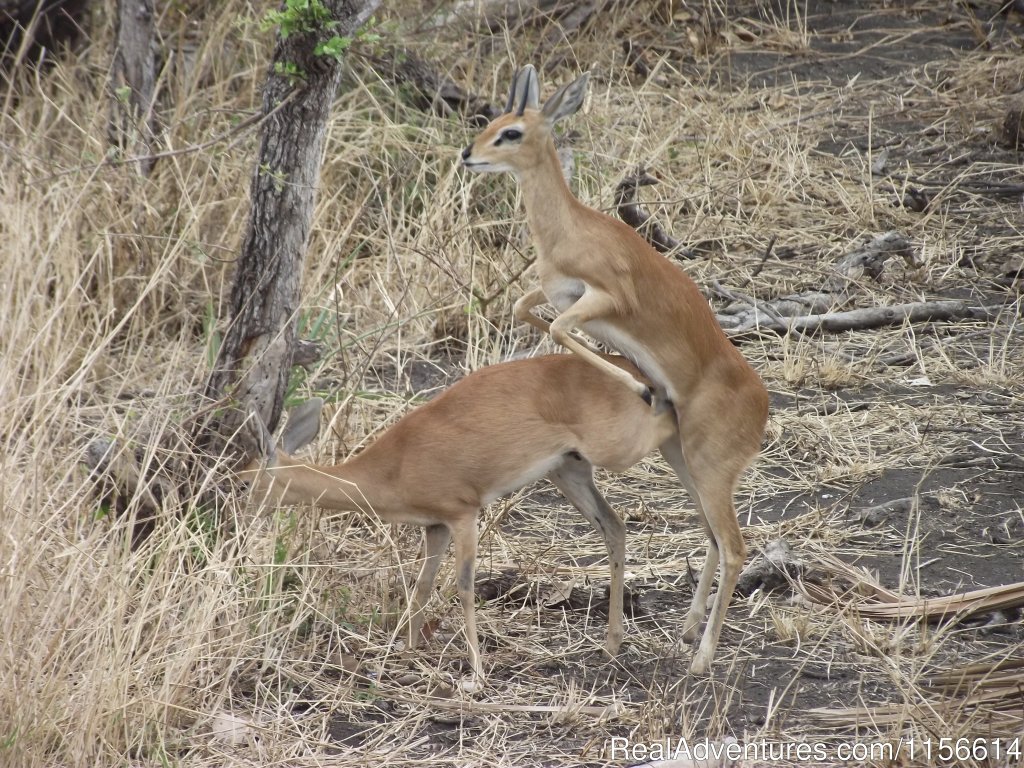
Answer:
[(334, 47)]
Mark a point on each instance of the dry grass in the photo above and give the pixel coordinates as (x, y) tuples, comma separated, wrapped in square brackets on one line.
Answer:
[(112, 290)]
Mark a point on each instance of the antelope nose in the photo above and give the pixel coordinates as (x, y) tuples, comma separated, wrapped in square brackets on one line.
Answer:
[(467, 152)]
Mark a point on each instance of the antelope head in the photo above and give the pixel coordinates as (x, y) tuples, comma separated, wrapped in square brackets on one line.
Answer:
[(518, 139)]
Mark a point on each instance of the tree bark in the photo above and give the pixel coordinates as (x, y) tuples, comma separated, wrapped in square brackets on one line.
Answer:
[(134, 80), (259, 346)]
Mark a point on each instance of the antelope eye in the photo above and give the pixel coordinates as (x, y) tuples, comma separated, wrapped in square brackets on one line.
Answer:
[(512, 134)]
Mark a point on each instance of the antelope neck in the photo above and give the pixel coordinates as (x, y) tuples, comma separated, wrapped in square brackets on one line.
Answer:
[(548, 200)]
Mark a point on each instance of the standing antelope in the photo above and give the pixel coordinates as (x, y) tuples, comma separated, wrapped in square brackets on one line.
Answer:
[(603, 278), (493, 432)]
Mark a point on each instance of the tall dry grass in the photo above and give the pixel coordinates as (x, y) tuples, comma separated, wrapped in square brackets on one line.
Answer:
[(111, 293)]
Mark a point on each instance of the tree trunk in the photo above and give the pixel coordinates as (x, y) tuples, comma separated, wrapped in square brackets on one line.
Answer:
[(134, 81), (259, 346)]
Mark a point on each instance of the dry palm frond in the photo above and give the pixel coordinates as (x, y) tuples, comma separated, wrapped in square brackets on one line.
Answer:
[(872, 601)]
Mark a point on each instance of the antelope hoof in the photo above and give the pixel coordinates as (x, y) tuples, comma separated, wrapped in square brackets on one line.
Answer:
[(700, 666)]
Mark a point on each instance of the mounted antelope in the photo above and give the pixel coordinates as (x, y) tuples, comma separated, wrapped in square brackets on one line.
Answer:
[(603, 278), (495, 431)]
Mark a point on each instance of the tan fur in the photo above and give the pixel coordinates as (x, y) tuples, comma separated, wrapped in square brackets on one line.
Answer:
[(603, 278), (491, 433)]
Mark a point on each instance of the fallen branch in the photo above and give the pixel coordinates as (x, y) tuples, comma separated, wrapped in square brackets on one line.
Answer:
[(431, 89), (866, 261), (859, 319), (871, 601)]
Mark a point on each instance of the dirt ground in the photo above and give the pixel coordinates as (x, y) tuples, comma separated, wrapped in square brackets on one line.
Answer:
[(964, 530)]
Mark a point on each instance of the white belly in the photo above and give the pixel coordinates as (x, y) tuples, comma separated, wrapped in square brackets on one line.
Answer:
[(563, 292), (528, 475)]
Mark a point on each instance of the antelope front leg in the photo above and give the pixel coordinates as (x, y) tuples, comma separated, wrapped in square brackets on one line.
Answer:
[(594, 306), (523, 310)]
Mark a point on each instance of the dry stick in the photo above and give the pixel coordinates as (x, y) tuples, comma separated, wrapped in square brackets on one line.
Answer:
[(486, 300), (868, 260), (764, 258), (893, 606), (735, 296)]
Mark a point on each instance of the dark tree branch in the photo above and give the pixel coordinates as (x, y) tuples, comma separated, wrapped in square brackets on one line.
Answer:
[(631, 212), (430, 88)]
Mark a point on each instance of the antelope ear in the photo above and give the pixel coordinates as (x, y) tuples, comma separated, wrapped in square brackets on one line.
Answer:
[(303, 425), (525, 90), (566, 100), (265, 440)]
